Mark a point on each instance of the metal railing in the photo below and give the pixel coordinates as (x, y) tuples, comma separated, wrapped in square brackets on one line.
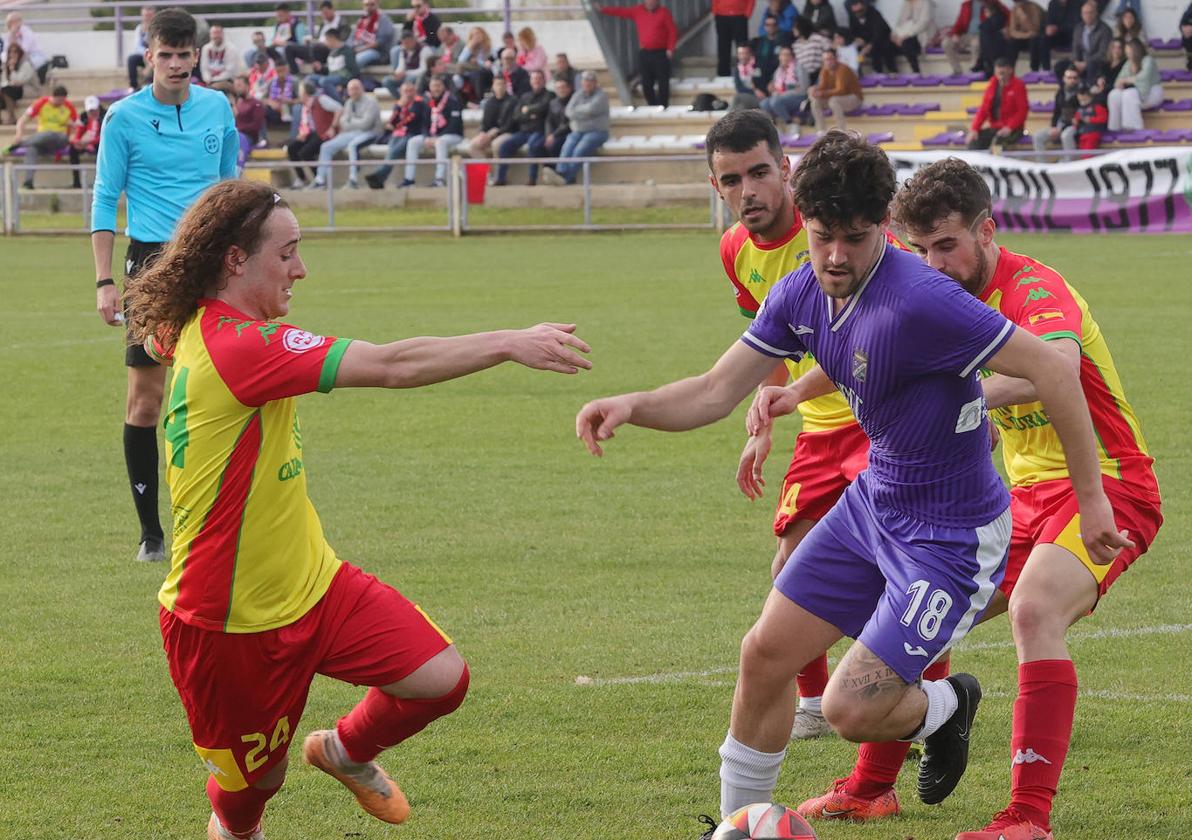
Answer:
[(457, 221), (617, 37), (125, 14)]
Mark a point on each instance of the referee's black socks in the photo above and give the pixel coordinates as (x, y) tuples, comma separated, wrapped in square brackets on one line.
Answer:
[(140, 455)]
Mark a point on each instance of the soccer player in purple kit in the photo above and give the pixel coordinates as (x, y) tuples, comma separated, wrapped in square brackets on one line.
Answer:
[(911, 554)]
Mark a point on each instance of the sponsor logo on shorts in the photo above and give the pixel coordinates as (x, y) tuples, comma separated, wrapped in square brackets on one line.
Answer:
[(1028, 756), (917, 650), (299, 341)]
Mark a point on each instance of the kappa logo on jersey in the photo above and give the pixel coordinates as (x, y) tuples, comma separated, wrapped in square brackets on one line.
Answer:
[(1039, 294), (756, 277), (1028, 756), (860, 364), (972, 414), (299, 341), (213, 768)]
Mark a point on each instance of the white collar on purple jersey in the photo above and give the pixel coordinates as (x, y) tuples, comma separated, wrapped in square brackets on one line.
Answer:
[(843, 316)]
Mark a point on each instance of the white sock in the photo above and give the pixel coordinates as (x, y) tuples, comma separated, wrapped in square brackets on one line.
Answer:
[(746, 775), (941, 705), (812, 704)]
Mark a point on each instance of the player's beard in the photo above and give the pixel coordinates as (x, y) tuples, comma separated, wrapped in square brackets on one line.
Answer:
[(974, 282)]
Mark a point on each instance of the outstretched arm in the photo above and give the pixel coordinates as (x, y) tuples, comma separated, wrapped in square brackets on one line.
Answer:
[(414, 362), (1058, 387), (679, 406)]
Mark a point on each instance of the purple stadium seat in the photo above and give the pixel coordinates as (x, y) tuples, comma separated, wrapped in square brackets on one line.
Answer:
[(111, 96), (941, 139), (1182, 76), (803, 141), (1182, 105), (972, 109), (881, 137), (870, 80), (880, 110), (1132, 137), (856, 112), (975, 77), (934, 51), (1041, 107), (1156, 43), (927, 81), (1173, 135), (894, 81), (955, 81)]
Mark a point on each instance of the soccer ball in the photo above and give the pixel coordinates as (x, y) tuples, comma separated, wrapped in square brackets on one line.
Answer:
[(764, 821)]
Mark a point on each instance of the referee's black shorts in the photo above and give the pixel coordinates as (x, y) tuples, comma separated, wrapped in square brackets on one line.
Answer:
[(140, 256)]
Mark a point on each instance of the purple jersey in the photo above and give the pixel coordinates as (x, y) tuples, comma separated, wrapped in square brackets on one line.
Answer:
[(905, 350)]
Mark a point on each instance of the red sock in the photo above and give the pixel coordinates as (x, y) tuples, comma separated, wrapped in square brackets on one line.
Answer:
[(813, 679), (239, 811), (878, 764), (1043, 716), (380, 720)]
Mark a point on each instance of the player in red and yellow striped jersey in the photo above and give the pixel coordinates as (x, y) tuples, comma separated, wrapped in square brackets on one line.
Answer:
[(256, 602), (1051, 581)]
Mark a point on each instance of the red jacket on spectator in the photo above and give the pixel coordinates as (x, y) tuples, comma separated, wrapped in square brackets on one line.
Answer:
[(1014, 106), (656, 30), (742, 8), (965, 17)]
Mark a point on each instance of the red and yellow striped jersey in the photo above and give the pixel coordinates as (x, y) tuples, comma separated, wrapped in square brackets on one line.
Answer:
[(248, 551), (754, 267), (1037, 299)]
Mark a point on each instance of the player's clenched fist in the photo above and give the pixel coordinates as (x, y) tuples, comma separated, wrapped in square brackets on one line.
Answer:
[(107, 303), (597, 420), (549, 347), (769, 402)]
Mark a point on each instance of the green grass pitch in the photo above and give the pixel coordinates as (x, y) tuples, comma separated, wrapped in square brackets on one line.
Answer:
[(475, 499)]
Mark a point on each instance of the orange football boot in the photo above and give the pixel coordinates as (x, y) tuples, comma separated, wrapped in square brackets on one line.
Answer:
[(377, 794), (1008, 825), (836, 804)]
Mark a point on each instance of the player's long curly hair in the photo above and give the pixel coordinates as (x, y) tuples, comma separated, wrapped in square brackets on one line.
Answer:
[(843, 179), (163, 297)]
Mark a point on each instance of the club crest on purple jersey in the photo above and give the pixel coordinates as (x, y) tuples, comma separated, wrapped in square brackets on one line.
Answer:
[(860, 364)]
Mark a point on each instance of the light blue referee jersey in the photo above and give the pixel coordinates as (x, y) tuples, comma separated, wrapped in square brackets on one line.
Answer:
[(162, 157)]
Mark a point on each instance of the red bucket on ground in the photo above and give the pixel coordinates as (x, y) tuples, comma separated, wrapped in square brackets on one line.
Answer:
[(477, 180)]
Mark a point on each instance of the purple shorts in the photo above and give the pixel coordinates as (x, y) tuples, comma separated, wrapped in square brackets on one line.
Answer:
[(908, 590)]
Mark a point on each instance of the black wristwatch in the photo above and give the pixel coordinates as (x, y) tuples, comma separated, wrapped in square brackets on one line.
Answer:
[(107, 281)]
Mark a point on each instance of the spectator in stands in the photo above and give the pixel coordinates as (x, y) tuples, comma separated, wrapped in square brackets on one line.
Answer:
[(259, 45), (373, 36), (967, 30), (1025, 32), (1003, 110), (1128, 26), (558, 124), (915, 29), (436, 65), (423, 23), (871, 34), (787, 93), (219, 62), (783, 13), (474, 67), (589, 119), (314, 48), (992, 43), (808, 51), (1062, 131), (1092, 119), (531, 128), (747, 79), (765, 49), (516, 78), (656, 37), (18, 79), (340, 64), (838, 88), (821, 17), (1115, 61), (316, 125), (282, 99), (1186, 35), (85, 139), (1090, 43), (731, 18), (410, 118), (250, 118), (357, 124), (20, 33), (450, 46), (846, 52), (287, 33), (530, 54), (409, 61), (1058, 28), (563, 70), (445, 129), (508, 42), (1137, 87), (497, 116), (261, 76), (140, 44), (55, 118)]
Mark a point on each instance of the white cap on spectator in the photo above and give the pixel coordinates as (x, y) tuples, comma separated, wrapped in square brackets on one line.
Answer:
[(91, 103)]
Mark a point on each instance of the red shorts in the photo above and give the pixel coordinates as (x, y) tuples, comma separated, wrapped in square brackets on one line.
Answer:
[(244, 692), (1047, 513), (823, 464)]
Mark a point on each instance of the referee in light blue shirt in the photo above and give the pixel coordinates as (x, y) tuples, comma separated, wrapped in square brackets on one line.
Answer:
[(161, 147)]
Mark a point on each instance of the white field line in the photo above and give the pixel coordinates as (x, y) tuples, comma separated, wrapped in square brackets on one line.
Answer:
[(1107, 633), (69, 342), (1092, 694)]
